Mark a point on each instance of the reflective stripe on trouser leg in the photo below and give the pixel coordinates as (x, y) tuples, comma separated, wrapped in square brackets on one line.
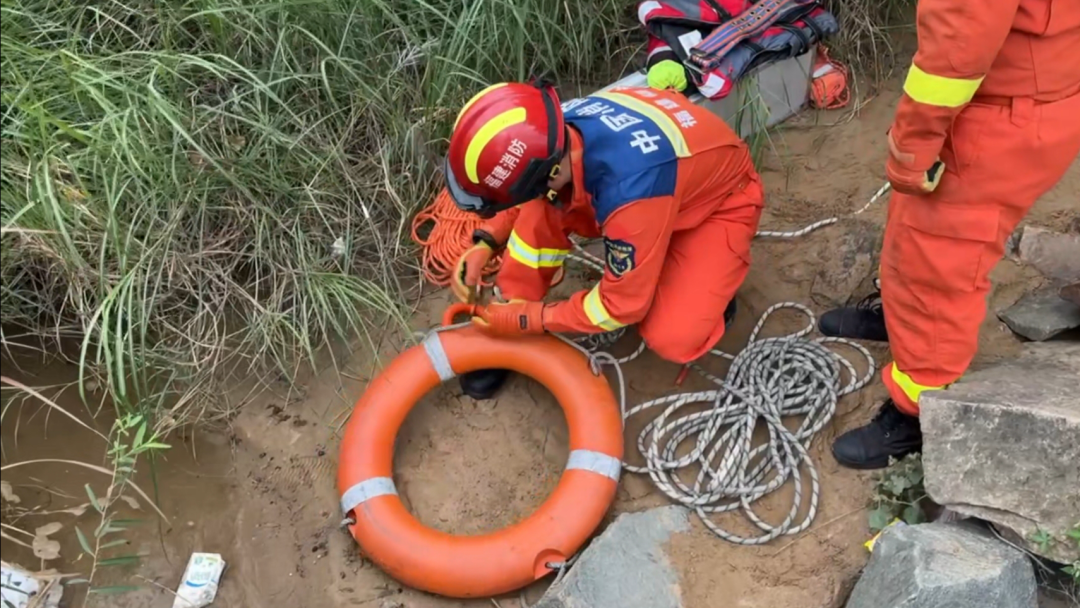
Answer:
[(904, 391), (534, 257)]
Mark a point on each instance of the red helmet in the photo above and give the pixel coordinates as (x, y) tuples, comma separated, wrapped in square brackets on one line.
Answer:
[(507, 143)]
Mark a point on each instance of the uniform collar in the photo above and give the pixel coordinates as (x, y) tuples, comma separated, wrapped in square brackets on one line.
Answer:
[(579, 198)]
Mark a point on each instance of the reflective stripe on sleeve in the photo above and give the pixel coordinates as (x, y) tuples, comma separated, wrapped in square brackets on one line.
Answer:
[(939, 91), (533, 257), (597, 313)]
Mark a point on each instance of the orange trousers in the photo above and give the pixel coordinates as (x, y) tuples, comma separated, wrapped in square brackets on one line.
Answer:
[(939, 249), (704, 265)]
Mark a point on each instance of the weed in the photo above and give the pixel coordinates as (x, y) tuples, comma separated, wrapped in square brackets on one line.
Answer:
[(868, 29), (200, 190), (1045, 539), (131, 438), (898, 493)]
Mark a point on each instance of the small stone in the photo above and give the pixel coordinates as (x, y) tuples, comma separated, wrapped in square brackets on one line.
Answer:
[(944, 566), (625, 567), (1041, 315), (1055, 255)]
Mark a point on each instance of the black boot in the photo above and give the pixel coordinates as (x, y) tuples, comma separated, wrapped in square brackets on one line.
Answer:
[(483, 383), (890, 434), (864, 321)]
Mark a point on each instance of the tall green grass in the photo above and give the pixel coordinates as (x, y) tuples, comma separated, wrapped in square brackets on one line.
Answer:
[(192, 189)]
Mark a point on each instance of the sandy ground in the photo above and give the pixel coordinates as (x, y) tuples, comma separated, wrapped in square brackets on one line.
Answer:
[(260, 490)]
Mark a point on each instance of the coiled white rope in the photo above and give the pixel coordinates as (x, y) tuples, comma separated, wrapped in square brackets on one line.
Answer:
[(771, 380)]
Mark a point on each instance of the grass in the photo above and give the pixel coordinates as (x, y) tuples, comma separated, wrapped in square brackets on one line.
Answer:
[(868, 34), (194, 191), (198, 190)]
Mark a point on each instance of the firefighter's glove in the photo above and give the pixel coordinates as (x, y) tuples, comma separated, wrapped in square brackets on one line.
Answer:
[(470, 270), (909, 176), (514, 318), (667, 74)]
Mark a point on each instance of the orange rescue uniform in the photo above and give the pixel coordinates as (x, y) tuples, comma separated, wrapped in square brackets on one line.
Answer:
[(994, 92), (673, 192)]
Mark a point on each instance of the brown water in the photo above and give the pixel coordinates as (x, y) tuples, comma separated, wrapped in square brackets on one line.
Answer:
[(194, 477)]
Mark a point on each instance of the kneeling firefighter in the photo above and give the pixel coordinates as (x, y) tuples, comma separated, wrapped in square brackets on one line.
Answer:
[(670, 188)]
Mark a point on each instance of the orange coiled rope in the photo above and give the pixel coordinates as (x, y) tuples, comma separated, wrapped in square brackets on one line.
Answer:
[(829, 88), (449, 233)]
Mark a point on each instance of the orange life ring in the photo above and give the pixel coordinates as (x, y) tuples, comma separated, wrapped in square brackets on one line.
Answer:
[(511, 558)]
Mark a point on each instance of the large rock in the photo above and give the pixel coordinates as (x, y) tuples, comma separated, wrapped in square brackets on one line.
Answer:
[(1041, 315), (944, 566), (625, 567), (1003, 444), (1055, 255), (1071, 293)]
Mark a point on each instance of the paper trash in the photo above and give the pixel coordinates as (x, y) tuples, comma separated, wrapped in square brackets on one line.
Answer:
[(19, 586), (200, 583)]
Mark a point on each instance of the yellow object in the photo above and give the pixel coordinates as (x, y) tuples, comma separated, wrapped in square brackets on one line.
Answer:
[(940, 91), (873, 540), (490, 129), (667, 74), (911, 388)]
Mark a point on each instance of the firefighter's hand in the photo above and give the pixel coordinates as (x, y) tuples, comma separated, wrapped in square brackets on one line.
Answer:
[(906, 176), (667, 74), (514, 318), (469, 271)]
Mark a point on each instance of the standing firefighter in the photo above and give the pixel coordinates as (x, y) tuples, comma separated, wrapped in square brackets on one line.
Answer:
[(669, 187), (994, 94)]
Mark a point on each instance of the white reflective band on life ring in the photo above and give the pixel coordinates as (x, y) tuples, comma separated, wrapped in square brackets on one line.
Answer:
[(597, 462), (365, 491), (434, 349)]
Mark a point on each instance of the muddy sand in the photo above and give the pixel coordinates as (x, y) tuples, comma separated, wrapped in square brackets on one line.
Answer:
[(260, 488)]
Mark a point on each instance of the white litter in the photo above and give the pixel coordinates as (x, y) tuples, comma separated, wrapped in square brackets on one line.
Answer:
[(18, 587), (200, 584)]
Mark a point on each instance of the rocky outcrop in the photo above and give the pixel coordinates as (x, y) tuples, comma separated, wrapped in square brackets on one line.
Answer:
[(1003, 444), (1055, 255), (625, 567), (1041, 315), (944, 566)]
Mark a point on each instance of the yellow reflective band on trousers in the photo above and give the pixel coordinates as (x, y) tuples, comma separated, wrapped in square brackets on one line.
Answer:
[(911, 388), (531, 256), (597, 313), (939, 91)]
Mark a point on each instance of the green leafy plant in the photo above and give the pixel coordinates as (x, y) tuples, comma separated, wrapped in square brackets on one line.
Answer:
[(197, 190), (898, 493), (1042, 538), (131, 438), (1072, 570)]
